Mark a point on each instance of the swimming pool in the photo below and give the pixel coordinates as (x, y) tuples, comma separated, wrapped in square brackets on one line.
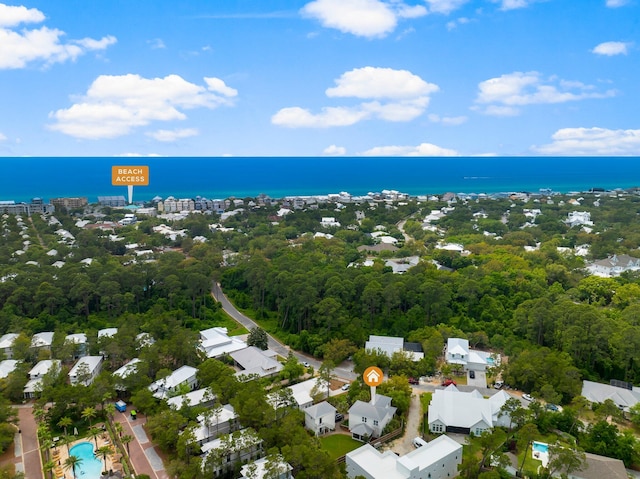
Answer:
[(541, 447), (90, 467)]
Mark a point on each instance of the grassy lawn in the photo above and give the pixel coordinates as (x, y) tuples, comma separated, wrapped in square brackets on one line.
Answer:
[(339, 444)]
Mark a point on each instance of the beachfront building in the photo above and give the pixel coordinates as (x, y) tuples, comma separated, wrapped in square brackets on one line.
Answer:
[(85, 370), (368, 419), (452, 410), (70, 202), (183, 377), (437, 459)]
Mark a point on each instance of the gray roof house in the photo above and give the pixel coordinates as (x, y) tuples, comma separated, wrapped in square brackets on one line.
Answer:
[(263, 468), (623, 398), (368, 419), (320, 418), (125, 371), (36, 374), (7, 367), (614, 265), (599, 467), (458, 352), (6, 344), (215, 342), (85, 370), (42, 340), (254, 361), (200, 397)]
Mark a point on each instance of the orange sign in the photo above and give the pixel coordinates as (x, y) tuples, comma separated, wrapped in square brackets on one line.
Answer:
[(130, 175), (373, 376)]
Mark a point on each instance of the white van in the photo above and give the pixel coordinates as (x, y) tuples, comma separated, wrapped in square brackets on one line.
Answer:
[(498, 384), (419, 442)]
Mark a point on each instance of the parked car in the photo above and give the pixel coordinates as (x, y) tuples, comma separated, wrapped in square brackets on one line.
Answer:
[(339, 417), (419, 442), (552, 407), (305, 364), (414, 381), (498, 384), (527, 397), (472, 374), (345, 387), (448, 382)]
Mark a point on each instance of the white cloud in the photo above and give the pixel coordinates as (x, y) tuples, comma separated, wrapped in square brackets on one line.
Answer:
[(3, 137), (397, 95), (19, 48), (10, 16), (424, 149), (372, 82), (364, 18), (611, 48), (173, 135), (116, 105), (513, 4), (503, 94), (156, 43), (448, 120), (334, 150), (592, 141), (616, 3), (445, 6)]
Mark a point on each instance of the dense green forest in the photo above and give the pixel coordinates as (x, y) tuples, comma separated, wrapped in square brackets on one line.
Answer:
[(515, 292)]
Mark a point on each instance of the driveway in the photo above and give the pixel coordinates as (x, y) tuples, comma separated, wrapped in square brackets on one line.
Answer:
[(404, 444)]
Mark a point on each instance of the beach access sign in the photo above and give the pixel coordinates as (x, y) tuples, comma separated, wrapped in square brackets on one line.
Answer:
[(130, 175)]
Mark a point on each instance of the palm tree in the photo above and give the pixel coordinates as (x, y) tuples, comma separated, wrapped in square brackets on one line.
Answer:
[(64, 423), (71, 462), (48, 467), (94, 432), (104, 451), (118, 427), (110, 409), (89, 413), (126, 439)]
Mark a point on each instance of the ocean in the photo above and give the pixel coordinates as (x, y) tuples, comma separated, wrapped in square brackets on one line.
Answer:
[(222, 177)]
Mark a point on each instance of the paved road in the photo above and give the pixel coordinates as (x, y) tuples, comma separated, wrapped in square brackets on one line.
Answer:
[(345, 371), (29, 447), (143, 456)]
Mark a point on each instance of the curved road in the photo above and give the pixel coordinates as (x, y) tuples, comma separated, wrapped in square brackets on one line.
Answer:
[(275, 344)]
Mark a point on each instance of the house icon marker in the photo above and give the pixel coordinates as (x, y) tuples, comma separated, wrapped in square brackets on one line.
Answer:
[(373, 376)]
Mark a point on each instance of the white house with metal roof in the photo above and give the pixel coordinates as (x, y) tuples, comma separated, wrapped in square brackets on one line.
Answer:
[(214, 423), (458, 352), (452, 410), (42, 340), (255, 362), (7, 367), (624, 398), (437, 459), (265, 468), (85, 370), (204, 397), (215, 342), (6, 344), (168, 386), (80, 341), (223, 453), (42, 368), (125, 371)]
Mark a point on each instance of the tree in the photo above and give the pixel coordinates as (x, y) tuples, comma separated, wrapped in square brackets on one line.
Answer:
[(72, 462), (337, 350), (104, 452), (292, 368), (258, 337), (89, 413), (565, 460), (126, 439)]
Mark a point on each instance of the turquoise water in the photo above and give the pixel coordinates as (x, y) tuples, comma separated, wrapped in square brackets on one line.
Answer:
[(90, 467), (540, 447), (281, 176)]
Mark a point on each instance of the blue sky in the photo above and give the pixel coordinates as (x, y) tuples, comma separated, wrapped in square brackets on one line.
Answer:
[(320, 77)]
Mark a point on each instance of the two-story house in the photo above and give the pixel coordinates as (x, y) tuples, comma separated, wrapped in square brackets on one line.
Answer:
[(368, 419)]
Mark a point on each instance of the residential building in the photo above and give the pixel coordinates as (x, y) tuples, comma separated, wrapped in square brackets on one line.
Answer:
[(255, 362), (599, 467), (6, 345), (8, 366), (85, 370), (452, 410), (614, 266), (624, 395), (388, 345), (305, 393), (80, 341), (216, 342), (578, 218), (272, 468), (42, 341), (222, 454), (183, 377), (368, 419), (70, 203), (42, 368), (216, 422), (200, 397), (437, 459), (113, 201), (458, 352), (107, 333), (320, 418), (124, 372)]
